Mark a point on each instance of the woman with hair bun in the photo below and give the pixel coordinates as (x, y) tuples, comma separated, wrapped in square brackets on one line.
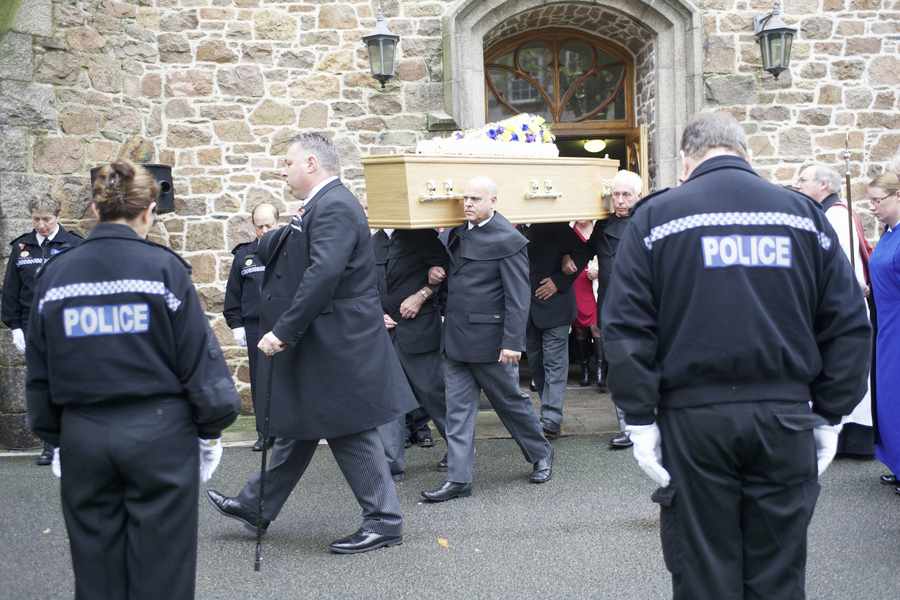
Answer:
[(124, 376)]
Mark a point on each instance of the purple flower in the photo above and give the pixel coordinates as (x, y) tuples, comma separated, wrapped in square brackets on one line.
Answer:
[(500, 129), (524, 126), (492, 133), (458, 135), (529, 138), (514, 137)]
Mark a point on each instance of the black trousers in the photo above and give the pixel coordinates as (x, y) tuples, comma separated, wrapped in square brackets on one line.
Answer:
[(129, 497), (733, 521), (251, 329)]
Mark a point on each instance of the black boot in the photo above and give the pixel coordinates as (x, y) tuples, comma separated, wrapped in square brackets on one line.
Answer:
[(585, 374)]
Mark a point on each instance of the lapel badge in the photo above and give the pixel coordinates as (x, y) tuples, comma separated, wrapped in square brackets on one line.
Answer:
[(248, 262), (24, 253)]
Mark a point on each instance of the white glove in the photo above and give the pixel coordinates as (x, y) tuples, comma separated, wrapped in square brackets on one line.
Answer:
[(210, 455), (240, 336), (826, 445), (648, 452), (55, 466), (19, 340)]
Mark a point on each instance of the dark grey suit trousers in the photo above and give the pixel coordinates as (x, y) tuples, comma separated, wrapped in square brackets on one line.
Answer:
[(360, 457), (500, 383)]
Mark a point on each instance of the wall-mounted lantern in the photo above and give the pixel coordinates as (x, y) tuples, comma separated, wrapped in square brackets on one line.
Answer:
[(382, 45), (775, 38)]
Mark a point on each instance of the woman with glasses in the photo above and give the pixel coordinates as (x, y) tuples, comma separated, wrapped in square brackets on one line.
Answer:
[(884, 267)]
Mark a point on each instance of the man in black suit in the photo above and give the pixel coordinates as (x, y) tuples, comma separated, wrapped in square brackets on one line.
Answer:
[(488, 297), (404, 259), (334, 374), (552, 311)]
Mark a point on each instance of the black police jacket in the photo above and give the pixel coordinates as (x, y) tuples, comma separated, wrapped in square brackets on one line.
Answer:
[(548, 243), (25, 259), (488, 293), (244, 281), (117, 319), (732, 289), (339, 374), (403, 261)]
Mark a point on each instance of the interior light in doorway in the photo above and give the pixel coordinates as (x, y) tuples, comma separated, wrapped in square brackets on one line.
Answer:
[(382, 46), (775, 38), (594, 146)]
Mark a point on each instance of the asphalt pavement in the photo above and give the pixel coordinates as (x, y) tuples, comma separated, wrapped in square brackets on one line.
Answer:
[(591, 532)]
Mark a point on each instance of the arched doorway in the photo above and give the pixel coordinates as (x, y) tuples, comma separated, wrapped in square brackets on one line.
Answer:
[(580, 83), (664, 39)]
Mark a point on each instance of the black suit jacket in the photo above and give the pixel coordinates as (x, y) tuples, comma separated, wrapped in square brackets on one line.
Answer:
[(403, 261), (488, 292), (604, 242), (548, 243), (339, 374)]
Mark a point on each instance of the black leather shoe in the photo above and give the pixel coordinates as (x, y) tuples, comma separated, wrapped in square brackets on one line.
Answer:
[(620, 441), (442, 464), (532, 386), (448, 491), (897, 490), (601, 388), (543, 469), (398, 477), (258, 445), (46, 456), (889, 479), (363, 541), (235, 510)]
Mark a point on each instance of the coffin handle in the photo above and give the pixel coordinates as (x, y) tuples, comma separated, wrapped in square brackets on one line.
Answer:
[(432, 195), (536, 191)]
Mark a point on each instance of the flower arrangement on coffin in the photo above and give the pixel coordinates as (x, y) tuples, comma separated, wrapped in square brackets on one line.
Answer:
[(521, 135)]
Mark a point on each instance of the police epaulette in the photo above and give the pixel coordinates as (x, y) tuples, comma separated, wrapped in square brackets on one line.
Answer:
[(647, 197), (239, 246), (20, 238), (186, 264)]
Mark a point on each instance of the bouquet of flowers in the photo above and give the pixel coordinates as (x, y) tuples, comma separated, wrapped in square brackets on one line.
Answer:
[(521, 135)]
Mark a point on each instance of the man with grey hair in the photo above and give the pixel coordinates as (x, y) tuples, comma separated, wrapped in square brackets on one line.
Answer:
[(331, 370), (823, 184), (737, 340), (27, 255), (604, 242)]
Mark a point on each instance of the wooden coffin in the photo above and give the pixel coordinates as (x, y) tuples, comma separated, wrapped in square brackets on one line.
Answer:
[(415, 191)]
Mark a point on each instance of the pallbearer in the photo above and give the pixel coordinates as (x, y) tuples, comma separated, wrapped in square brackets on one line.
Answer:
[(126, 377), (28, 253), (241, 308)]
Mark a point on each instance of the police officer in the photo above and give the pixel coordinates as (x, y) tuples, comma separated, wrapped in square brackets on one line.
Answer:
[(404, 259), (241, 308), (27, 255), (124, 375), (737, 339)]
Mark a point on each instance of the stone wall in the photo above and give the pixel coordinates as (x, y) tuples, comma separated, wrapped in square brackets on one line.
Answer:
[(216, 87), (843, 85)]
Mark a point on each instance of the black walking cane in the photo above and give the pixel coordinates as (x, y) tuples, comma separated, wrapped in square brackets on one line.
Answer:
[(257, 563)]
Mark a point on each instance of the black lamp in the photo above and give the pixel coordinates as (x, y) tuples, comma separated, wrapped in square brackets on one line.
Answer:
[(775, 38), (382, 45)]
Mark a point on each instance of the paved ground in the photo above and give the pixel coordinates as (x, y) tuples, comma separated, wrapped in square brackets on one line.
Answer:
[(590, 533)]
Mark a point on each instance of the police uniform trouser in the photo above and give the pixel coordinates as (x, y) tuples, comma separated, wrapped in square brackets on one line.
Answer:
[(744, 485), (251, 329), (129, 497)]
